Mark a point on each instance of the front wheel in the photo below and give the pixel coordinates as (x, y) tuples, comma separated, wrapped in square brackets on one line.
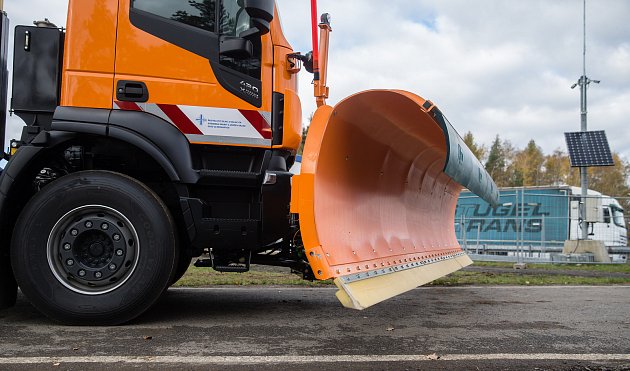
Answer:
[(94, 247)]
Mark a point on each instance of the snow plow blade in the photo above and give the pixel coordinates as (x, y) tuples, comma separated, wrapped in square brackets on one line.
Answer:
[(376, 197)]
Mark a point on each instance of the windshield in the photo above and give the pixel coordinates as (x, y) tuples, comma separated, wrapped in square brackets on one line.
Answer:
[(618, 216)]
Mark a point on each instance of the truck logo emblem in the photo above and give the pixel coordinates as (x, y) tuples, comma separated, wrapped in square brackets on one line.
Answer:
[(249, 89)]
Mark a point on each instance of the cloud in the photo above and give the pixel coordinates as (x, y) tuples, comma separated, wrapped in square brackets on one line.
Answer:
[(494, 67)]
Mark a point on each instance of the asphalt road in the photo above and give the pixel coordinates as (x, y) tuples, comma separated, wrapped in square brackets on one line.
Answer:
[(279, 328)]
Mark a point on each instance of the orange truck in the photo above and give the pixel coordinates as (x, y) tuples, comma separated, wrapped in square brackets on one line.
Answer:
[(158, 131)]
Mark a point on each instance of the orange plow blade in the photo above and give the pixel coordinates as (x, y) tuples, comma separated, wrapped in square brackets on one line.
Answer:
[(381, 174)]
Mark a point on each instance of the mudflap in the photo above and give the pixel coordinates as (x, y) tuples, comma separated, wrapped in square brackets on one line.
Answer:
[(8, 286), (380, 177)]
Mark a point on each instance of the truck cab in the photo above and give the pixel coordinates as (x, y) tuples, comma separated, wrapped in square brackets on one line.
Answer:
[(175, 59), (612, 227)]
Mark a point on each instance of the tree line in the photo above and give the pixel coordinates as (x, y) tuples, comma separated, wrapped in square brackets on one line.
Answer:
[(513, 167)]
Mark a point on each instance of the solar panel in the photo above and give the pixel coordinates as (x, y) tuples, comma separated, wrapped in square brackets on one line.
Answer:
[(589, 148)]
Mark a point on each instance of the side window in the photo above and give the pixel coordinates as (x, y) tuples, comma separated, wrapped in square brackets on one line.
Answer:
[(606, 215), (235, 22), (197, 13), (209, 23)]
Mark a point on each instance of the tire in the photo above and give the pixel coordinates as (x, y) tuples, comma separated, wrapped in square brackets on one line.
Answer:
[(93, 248)]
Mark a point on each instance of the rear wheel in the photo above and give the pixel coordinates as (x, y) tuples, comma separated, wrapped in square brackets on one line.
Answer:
[(94, 247)]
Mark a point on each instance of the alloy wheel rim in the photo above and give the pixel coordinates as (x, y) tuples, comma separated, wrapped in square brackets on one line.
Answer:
[(93, 249)]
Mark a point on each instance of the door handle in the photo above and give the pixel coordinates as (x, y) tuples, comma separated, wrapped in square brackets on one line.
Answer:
[(131, 91)]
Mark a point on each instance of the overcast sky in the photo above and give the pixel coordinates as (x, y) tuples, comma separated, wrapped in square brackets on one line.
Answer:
[(493, 66)]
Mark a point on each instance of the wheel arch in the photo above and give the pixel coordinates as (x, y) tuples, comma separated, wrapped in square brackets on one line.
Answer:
[(163, 142), (164, 148), (17, 180)]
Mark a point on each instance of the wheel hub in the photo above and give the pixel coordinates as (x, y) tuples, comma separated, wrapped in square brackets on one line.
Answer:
[(93, 249), (96, 249)]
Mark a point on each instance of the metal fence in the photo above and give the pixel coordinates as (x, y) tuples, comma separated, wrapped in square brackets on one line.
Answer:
[(533, 224)]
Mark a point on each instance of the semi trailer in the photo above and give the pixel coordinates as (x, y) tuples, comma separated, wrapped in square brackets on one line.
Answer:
[(157, 131), (542, 218)]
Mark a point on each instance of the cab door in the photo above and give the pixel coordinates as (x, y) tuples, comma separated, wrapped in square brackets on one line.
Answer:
[(169, 63)]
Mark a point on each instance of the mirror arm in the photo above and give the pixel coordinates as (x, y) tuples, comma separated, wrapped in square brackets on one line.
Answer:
[(250, 34), (307, 59)]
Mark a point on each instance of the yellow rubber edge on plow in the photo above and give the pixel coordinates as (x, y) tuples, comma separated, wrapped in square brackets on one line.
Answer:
[(367, 292)]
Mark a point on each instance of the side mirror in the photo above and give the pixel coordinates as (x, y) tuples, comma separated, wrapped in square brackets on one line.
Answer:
[(261, 13), (236, 47)]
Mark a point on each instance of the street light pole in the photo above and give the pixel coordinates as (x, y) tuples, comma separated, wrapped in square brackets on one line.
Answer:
[(583, 82), (520, 257)]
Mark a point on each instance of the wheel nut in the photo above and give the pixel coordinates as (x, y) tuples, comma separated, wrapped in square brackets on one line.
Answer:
[(82, 273), (104, 226), (88, 224), (74, 232), (116, 237), (67, 246), (119, 252), (70, 262), (98, 274), (112, 267)]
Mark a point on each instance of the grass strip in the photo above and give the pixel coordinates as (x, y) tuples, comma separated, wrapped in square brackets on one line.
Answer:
[(609, 268), (462, 278), (203, 277), (206, 277)]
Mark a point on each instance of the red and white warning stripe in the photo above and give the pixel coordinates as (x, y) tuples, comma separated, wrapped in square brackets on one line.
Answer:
[(211, 124)]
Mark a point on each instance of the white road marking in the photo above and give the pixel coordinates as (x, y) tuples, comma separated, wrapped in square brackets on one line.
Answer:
[(250, 360)]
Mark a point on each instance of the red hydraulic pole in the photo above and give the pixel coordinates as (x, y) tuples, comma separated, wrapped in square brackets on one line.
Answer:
[(315, 23)]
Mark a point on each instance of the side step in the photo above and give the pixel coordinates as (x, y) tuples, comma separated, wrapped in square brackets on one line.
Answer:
[(250, 169), (232, 268), (230, 262), (230, 178), (229, 232)]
